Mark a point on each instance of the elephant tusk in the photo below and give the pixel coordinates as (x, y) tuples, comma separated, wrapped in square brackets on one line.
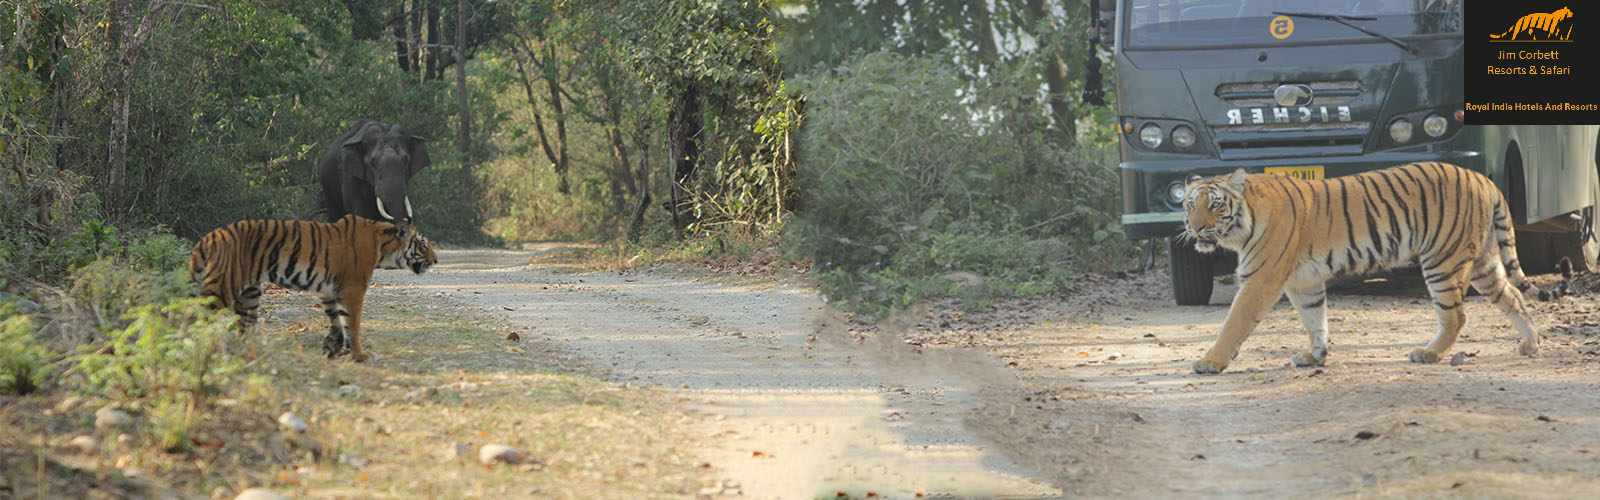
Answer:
[(408, 207), (380, 209)]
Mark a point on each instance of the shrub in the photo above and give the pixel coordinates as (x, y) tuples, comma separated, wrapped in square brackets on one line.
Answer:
[(108, 288), (910, 173), (171, 356), (23, 361)]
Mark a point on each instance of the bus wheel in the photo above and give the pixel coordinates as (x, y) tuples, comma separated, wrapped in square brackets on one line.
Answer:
[(1191, 273)]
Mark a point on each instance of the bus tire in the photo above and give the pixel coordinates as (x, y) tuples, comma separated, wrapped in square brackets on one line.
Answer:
[(1536, 252), (1191, 273)]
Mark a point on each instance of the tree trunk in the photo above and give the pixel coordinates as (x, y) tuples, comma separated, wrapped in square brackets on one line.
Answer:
[(557, 106), (619, 168), (533, 104), (636, 219), (464, 142), (435, 69), (1055, 78), (684, 133), (988, 54), (121, 18), (414, 37), (397, 29)]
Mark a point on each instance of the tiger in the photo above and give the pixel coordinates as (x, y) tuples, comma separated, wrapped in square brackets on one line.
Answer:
[(1543, 22), (1292, 235), (334, 260)]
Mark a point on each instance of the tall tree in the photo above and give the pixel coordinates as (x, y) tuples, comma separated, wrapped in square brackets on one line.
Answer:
[(402, 41), (461, 79), (435, 66), (126, 38), (537, 65)]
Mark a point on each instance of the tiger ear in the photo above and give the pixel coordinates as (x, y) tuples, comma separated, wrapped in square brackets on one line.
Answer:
[(1236, 181)]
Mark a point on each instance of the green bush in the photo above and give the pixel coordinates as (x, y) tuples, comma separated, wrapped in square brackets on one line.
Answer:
[(911, 175), (108, 288), (23, 361), (171, 356)]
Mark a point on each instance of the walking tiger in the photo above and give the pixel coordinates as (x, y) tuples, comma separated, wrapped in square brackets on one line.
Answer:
[(1293, 235)]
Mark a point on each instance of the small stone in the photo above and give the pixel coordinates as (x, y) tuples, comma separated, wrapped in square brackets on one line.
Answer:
[(292, 423), (458, 451), (109, 417), (68, 404), (131, 473), (353, 461), (349, 389), (491, 453), (419, 394), (709, 491), (124, 440), (221, 493), (85, 443), (259, 494)]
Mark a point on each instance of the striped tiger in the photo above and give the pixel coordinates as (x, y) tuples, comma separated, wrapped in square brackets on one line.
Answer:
[(1543, 22), (334, 260), (1293, 235)]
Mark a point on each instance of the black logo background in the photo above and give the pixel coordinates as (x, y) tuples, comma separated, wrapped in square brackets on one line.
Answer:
[(1581, 56)]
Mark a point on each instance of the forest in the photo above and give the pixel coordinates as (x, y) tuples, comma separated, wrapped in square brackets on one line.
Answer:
[(883, 145)]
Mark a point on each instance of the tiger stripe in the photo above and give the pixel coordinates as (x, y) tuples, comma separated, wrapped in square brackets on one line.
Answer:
[(333, 260), (1292, 235)]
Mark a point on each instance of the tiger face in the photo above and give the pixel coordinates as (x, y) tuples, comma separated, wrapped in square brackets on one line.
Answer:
[(408, 249), (1214, 212)]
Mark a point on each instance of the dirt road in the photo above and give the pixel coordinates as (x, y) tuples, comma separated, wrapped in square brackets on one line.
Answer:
[(1085, 396), (785, 413)]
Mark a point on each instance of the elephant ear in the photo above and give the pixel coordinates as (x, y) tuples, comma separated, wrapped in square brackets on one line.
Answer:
[(419, 155), (355, 158)]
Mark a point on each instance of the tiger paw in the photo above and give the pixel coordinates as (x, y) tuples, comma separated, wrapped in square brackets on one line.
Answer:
[(1310, 358), (1205, 366), (333, 345), (360, 357), (1420, 355)]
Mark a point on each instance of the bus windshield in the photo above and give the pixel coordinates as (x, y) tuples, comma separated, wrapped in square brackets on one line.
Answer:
[(1163, 24)]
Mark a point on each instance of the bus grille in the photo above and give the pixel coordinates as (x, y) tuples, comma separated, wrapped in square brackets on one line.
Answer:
[(1245, 142)]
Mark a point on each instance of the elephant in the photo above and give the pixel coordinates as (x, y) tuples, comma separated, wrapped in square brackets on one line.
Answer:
[(366, 172)]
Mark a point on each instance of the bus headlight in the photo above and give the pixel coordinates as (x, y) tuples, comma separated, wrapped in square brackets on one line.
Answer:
[(1435, 125), (1175, 192), (1150, 135), (1182, 136), (1400, 130)]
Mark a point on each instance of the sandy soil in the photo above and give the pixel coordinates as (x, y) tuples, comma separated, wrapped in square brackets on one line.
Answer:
[(1089, 395)]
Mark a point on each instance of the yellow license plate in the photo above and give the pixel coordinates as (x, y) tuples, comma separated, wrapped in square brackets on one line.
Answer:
[(1305, 173)]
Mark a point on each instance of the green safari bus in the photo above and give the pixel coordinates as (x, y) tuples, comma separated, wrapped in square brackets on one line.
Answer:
[(1321, 89)]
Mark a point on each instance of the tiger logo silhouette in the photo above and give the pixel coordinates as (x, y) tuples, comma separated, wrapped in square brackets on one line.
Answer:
[(1548, 23)]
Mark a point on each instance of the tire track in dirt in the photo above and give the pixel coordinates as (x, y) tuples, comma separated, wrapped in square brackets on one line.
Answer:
[(788, 409)]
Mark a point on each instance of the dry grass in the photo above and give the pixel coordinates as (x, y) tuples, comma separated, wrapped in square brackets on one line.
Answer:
[(442, 376)]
